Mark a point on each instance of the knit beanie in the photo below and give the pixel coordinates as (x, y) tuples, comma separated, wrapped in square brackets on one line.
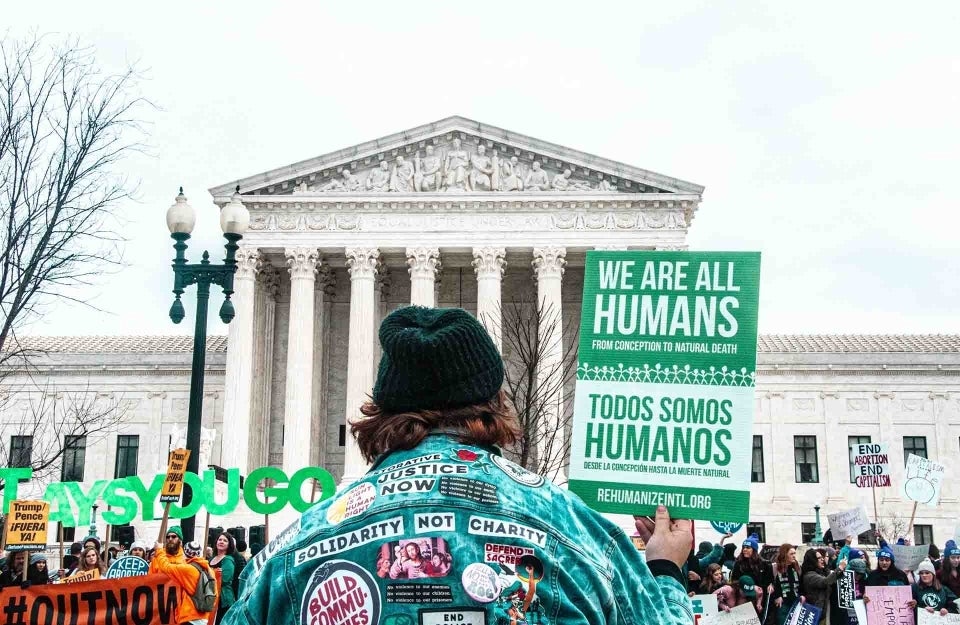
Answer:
[(951, 549), (752, 541), (192, 549), (927, 566), (886, 552), (95, 540), (435, 358), (748, 586), (175, 530), (38, 557), (858, 566)]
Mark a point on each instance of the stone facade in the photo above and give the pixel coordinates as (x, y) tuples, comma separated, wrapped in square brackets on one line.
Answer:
[(458, 213)]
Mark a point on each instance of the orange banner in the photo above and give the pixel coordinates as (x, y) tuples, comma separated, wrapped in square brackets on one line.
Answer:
[(146, 600)]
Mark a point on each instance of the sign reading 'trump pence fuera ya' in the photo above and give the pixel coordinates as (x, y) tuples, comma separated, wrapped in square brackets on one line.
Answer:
[(664, 399)]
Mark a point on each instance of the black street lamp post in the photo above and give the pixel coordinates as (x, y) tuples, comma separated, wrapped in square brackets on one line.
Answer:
[(234, 219)]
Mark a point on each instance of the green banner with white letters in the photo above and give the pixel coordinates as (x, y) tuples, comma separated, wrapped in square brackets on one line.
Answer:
[(663, 412)]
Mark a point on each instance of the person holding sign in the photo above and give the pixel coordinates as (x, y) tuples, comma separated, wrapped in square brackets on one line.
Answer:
[(886, 573), (12, 572), (950, 569), (816, 583), (187, 571), (786, 586), (432, 431), (930, 595), (749, 563)]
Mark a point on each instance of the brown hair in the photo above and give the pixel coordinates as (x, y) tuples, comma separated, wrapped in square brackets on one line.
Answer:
[(708, 585), (490, 423), (781, 559)]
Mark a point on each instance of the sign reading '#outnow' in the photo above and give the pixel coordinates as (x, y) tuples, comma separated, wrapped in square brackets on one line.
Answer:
[(126, 497), (663, 413)]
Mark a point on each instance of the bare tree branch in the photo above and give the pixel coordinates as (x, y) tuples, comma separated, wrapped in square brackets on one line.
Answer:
[(65, 128), (537, 372)]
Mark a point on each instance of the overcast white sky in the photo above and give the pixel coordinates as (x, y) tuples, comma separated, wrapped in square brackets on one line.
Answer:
[(826, 134)]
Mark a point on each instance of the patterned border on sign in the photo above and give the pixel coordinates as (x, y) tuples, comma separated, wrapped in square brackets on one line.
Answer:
[(667, 375)]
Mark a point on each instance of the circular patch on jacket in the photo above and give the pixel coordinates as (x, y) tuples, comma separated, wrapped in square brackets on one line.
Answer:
[(515, 472), (480, 582), (340, 592), (350, 504)]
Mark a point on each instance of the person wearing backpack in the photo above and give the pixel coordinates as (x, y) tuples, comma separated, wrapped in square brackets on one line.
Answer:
[(191, 574), (224, 558)]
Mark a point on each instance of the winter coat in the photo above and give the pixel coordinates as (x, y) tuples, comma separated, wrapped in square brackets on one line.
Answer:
[(760, 571), (891, 577), (727, 597), (786, 585), (930, 597), (228, 570), (186, 577), (492, 514), (816, 587)]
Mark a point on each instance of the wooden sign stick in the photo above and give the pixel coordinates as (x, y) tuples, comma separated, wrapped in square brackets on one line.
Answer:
[(206, 533), (912, 517), (60, 525), (876, 516), (163, 522)]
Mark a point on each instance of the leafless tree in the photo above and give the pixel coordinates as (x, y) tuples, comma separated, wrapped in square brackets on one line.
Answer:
[(65, 127), (892, 527), (538, 371), (49, 425)]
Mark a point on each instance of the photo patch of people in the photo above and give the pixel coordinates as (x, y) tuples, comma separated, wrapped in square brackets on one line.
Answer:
[(414, 559)]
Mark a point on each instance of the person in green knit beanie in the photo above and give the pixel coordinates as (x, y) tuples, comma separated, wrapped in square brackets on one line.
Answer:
[(439, 489)]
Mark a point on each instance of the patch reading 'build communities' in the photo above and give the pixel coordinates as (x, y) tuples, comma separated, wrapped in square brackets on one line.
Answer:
[(663, 413)]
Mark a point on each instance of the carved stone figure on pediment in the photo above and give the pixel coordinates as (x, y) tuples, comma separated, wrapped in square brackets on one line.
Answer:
[(379, 178), (455, 168), (481, 170), (426, 171), (537, 179), (509, 177), (348, 182), (562, 182), (301, 188), (606, 185), (401, 178)]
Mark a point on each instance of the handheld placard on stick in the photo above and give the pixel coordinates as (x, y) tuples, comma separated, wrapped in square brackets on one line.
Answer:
[(163, 523)]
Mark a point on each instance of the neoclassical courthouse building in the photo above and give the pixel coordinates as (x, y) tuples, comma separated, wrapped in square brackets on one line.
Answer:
[(459, 213)]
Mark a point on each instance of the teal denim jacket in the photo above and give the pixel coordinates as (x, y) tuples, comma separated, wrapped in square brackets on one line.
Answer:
[(448, 533)]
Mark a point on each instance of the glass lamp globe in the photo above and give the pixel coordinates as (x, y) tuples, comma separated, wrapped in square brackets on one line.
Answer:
[(234, 217), (180, 216)]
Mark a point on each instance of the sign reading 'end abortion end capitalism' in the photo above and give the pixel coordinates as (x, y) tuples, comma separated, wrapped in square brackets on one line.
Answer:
[(664, 399)]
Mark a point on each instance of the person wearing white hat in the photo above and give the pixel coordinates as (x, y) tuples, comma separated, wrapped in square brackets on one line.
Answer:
[(929, 594)]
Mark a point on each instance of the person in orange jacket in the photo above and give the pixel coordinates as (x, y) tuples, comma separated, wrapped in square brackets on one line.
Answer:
[(176, 561)]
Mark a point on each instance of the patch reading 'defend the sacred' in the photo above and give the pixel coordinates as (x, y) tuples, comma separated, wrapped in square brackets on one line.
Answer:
[(453, 616), (504, 554), (340, 592), (352, 503), (515, 472), (387, 528), (485, 526), (480, 582)]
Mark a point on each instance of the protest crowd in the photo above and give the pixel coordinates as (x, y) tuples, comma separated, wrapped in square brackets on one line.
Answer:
[(798, 575)]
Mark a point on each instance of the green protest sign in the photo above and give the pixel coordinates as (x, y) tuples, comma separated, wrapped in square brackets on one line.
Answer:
[(663, 412)]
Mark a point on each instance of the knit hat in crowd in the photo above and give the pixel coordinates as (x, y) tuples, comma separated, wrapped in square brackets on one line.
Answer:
[(705, 547), (951, 549), (435, 358), (752, 541), (858, 566), (95, 540), (886, 552), (927, 566), (38, 557), (138, 544), (748, 587), (175, 530), (192, 549), (854, 554)]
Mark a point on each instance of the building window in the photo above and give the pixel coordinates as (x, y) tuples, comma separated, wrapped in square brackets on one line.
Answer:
[(756, 472), (869, 537), (805, 459), (760, 529), (916, 445), (21, 451), (68, 534), (922, 534), (128, 446), (807, 532), (851, 441), (74, 454)]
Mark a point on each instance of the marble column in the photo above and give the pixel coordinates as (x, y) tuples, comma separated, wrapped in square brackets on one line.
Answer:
[(302, 262), (548, 263), (326, 287), (362, 265), (264, 311), (238, 377), (424, 264), (489, 263)]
